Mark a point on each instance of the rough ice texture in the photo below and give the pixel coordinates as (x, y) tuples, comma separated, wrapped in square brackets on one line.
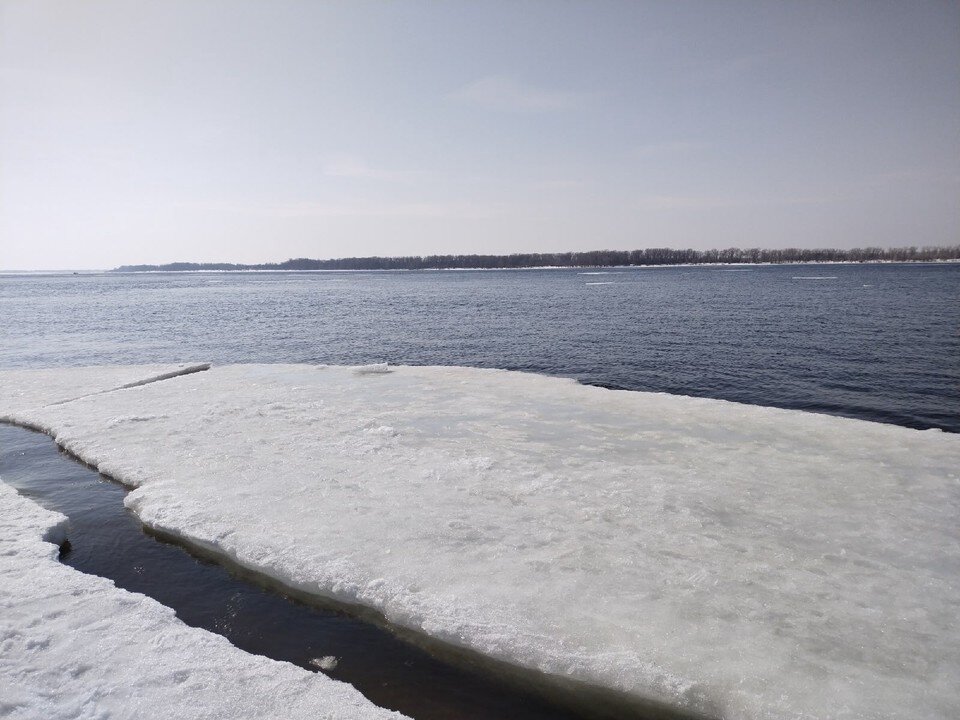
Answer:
[(740, 561), (76, 646)]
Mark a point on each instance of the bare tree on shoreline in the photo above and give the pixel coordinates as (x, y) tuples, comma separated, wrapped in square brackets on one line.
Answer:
[(591, 258)]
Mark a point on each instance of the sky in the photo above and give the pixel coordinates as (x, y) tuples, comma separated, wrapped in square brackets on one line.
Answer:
[(233, 131)]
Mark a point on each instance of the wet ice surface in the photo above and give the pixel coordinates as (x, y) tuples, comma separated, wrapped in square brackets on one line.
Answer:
[(736, 560)]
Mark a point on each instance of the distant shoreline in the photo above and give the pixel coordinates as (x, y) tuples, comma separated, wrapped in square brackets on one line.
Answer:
[(952, 261), (651, 257), (161, 269)]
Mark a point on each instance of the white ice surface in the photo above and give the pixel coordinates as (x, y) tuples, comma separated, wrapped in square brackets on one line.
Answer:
[(76, 646), (20, 389), (743, 561)]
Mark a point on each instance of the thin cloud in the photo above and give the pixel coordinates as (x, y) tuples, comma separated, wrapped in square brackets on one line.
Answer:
[(686, 202), (374, 209), (501, 93), (739, 68), (350, 167), (559, 184), (917, 175), (463, 210), (715, 202), (672, 147)]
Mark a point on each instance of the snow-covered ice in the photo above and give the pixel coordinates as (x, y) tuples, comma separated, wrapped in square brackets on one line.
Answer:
[(23, 389), (76, 646), (740, 561)]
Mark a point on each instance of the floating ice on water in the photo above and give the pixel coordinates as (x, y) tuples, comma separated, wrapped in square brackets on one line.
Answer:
[(815, 277), (76, 646), (741, 561), (327, 662)]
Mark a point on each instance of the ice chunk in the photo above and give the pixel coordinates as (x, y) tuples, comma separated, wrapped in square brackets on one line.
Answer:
[(326, 663), (374, 369), (74, 645), (741, 561)]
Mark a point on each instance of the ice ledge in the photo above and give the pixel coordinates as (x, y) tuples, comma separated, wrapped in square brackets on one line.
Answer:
[(23, 389), (178, 372), (75, 645)]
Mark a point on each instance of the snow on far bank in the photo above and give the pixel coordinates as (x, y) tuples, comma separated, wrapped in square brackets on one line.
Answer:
[(740, 561), (75, 646)]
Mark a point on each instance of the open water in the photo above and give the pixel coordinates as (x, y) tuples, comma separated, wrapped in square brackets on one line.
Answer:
[(877, 342)]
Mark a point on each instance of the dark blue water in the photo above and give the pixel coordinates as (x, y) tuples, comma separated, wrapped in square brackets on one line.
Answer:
[(878, 342)]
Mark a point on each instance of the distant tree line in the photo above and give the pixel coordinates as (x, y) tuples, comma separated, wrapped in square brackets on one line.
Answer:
[(591, 258)]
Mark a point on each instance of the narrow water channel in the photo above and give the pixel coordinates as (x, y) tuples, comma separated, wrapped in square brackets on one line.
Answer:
[(108, 540)]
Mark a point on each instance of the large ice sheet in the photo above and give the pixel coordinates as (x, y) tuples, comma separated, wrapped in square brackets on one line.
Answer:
[(75, 646), (742, 561)]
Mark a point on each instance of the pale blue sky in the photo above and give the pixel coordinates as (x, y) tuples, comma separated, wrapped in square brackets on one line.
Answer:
[(257, 131)]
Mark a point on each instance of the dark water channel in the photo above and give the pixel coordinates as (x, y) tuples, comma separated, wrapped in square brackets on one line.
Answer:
[(106, 539)]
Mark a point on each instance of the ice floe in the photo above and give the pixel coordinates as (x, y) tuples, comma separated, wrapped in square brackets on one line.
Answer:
[(739, 561), (76, 646)]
